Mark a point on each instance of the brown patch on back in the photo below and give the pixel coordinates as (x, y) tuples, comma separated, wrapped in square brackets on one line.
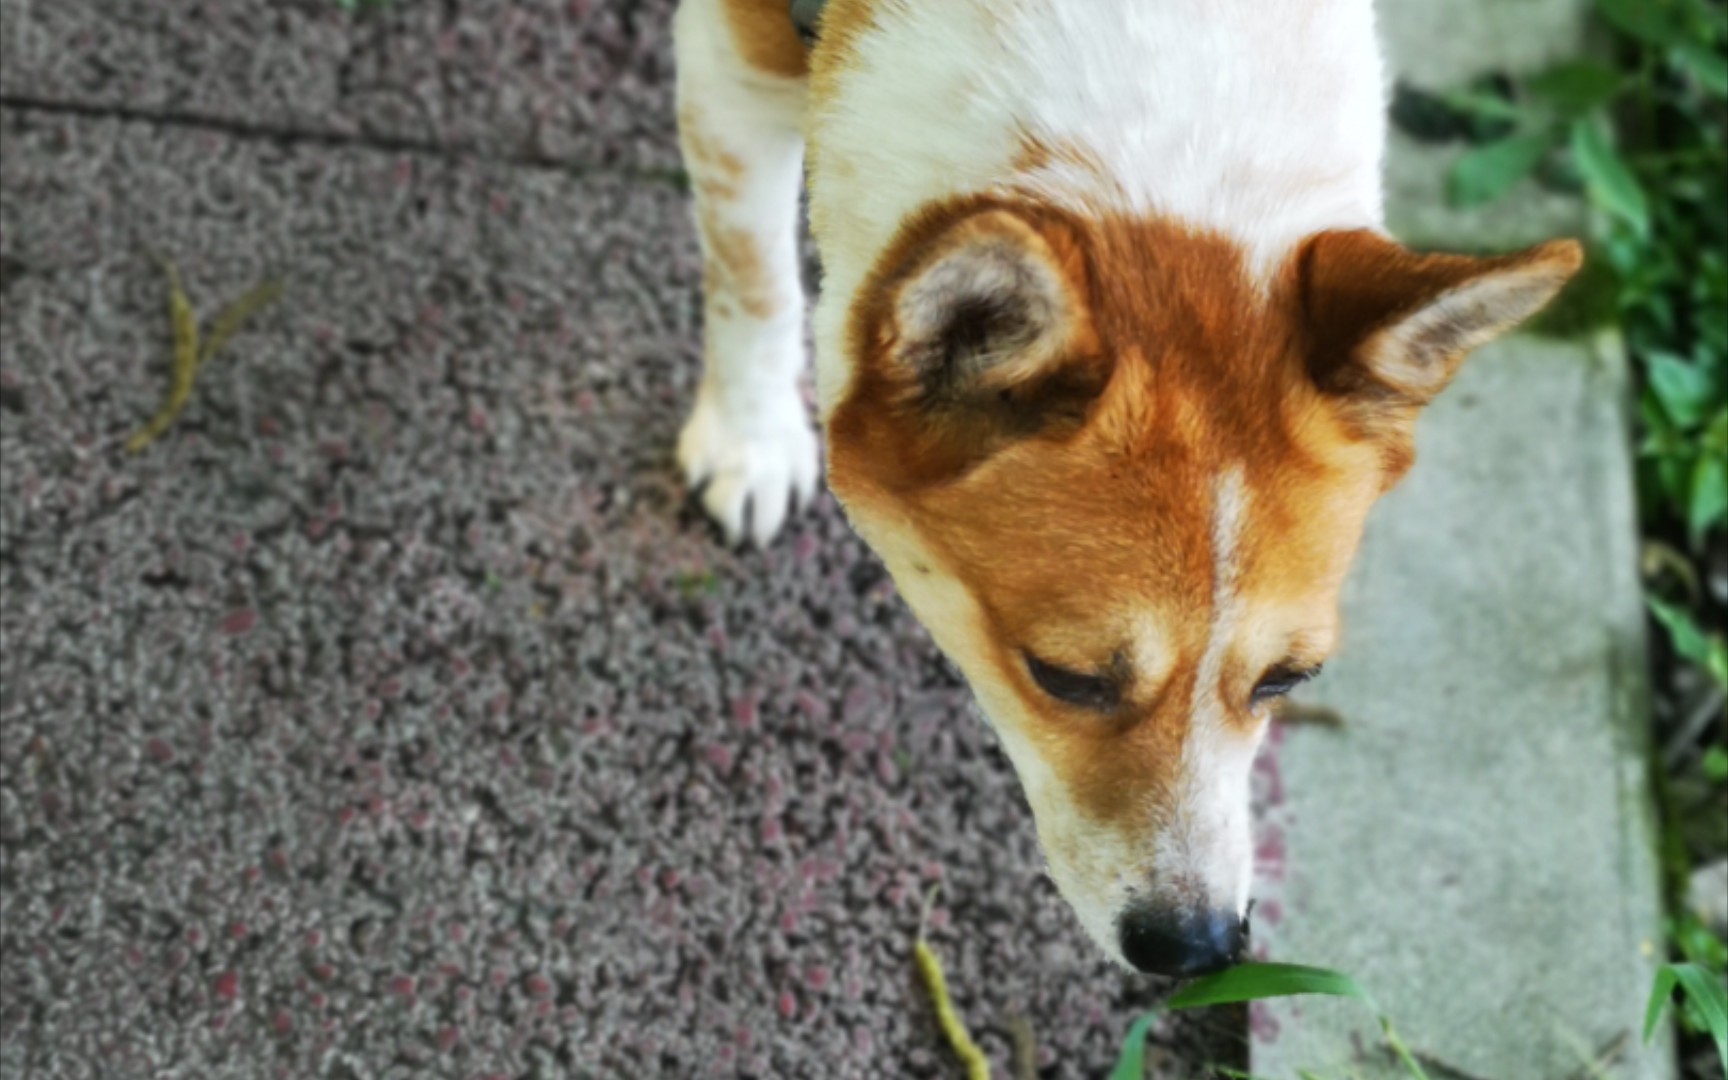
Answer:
[(766, 38), (844, 23), (1031, 154)]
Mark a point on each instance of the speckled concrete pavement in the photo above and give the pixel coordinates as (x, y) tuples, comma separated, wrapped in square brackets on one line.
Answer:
[(395, 714)]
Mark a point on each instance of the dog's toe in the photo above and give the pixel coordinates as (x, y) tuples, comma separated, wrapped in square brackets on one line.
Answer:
[(754, 467)]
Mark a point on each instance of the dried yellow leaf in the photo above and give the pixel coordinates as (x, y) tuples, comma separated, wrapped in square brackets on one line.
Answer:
[(953, 1028), (230, 319), (185, 367), (189, 355)]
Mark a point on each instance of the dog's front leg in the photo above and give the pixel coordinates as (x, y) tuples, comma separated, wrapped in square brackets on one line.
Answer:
[(748, 439)]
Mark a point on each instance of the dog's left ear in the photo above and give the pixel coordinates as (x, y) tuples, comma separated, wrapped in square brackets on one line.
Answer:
[(977, 334), (1388, 328)]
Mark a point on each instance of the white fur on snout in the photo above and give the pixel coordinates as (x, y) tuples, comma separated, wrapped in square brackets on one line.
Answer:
[(1205, 853), (1205, 856)]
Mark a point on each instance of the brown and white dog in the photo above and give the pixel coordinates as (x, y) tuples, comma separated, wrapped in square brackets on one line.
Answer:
[(1113, 358)]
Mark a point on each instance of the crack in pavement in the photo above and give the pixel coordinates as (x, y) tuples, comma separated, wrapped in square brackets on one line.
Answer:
[(285, 135)]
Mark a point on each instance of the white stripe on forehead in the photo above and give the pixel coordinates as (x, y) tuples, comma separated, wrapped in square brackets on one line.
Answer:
[(1229, 501), (1152, 655)]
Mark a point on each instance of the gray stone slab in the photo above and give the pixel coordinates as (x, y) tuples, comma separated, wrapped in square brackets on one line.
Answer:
[(1475, 844), (581, 82), (1439, 45), (395, 714), (1417, 212)]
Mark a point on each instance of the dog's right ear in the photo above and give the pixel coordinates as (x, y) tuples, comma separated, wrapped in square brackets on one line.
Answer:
[(1389, 327), (975, 333)]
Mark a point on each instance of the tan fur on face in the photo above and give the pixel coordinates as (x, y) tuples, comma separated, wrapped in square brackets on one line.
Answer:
[(1071, 540), (1184, 510)]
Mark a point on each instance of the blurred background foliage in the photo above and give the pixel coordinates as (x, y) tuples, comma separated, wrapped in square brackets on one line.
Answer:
[(1637, 128)]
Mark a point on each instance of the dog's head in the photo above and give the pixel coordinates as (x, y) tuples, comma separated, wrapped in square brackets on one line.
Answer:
[(1121, 479)]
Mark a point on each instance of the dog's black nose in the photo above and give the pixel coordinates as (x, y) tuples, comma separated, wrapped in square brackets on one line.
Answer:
[(1181, 944)]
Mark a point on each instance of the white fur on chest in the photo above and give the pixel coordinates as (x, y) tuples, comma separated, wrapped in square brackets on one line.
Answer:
[(1258, 119)]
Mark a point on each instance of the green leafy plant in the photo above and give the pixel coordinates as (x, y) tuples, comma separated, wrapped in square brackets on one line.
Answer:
[(1258, 982), (1706, 1002), (1640, 133), (1644, 143), (1708, 652)]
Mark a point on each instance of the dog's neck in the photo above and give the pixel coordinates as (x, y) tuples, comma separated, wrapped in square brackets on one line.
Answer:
[(1262, 122)]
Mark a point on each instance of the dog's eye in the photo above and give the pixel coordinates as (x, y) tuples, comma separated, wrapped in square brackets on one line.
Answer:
[(1100, 692), (1281, 680)]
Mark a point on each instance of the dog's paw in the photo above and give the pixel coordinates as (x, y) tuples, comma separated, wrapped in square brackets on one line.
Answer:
[(758, 464)]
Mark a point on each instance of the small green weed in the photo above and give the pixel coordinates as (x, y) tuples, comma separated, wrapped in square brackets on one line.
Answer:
[(696, 584), (1705, 1002), (191, 352), (1258, 982)]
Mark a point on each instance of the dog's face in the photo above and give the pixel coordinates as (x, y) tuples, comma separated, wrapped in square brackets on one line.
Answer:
[(1121, 483)]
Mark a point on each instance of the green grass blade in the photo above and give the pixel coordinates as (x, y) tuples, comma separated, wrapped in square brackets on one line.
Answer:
[(1606, 176), (1253, 982), (1709, 501), (185, 369), (1703, 990), (1396, 1042), (1682, 626), (1710, 999), (1132, 1064), (1256, 982), (1578, 86), (1660, 989), (1706, 65), (1650, 23)]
